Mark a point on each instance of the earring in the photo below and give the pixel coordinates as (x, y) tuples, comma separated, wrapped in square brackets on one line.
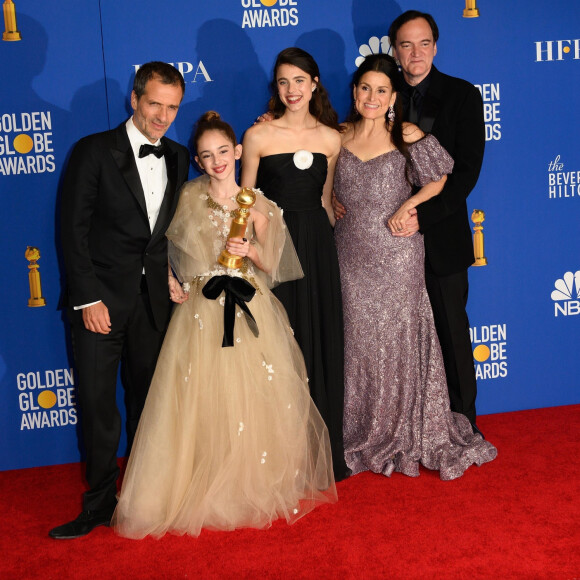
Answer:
[(391, 113), (313, 89)]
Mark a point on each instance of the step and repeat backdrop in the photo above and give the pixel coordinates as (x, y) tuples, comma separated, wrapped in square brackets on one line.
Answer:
[(67, 71)]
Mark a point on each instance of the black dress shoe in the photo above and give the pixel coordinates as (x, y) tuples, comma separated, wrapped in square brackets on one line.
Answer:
[(86, 522), (476, 430)]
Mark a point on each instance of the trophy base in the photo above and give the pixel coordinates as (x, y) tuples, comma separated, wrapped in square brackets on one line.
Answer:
[(471, 13), (33, 302), (229, 261), (11, 36), (480, 262)]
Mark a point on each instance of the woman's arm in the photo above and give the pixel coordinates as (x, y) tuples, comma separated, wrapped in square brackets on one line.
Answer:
[(327, 190), (329, 183), (250, 157), (176, 292), (398, 222)]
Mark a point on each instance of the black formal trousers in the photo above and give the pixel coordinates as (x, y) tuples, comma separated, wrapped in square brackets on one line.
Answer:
[(107, 243), (452, 111), (448, 296), (134, 342)]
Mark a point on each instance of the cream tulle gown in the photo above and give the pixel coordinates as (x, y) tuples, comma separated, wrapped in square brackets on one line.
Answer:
[(229, 436)]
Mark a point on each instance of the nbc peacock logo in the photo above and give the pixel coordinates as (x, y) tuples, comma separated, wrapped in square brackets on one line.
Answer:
[(566, 295), (375, 45)]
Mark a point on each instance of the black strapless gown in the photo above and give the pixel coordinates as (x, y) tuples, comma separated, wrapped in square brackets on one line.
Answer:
[(314, 303)]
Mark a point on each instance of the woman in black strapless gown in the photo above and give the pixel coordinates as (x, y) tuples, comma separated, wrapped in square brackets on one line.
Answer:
[(292, 159)]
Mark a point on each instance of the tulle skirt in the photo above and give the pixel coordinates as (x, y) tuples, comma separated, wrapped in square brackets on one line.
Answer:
[(229, 437)]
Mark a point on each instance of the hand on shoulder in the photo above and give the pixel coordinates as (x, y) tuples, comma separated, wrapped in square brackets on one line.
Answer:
[(412, 133), (347, 132)]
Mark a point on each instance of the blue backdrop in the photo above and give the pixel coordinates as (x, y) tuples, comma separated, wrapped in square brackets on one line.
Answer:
[(71, 74)]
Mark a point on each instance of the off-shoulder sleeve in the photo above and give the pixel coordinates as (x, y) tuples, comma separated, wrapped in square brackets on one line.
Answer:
[(276, 250), (192, 245), (430, 161)]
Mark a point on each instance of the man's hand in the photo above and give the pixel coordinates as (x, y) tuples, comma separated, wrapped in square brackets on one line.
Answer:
[(176, 292), (96, 318), (337, 207)]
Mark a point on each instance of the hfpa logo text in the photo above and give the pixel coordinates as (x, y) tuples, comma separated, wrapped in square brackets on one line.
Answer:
[(191, 73), (550, 50)]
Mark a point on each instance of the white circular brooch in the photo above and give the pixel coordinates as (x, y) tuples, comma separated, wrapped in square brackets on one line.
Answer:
[(303, 159)]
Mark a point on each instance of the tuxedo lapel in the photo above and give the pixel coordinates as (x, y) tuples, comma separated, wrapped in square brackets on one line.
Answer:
[(166, 209), (432, 102), (123, 155)]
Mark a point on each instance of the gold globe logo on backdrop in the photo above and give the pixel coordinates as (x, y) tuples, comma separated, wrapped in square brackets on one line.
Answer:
[(269, 13), (26, 143), (489, 351), (46, 399), (23, 144), (11, 32), (32, 254)]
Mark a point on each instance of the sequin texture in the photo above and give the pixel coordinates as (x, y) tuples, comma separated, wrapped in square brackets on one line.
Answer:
[(396, 412)]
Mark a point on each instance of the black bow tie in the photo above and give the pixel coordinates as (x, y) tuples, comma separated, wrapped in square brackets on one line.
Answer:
[(158, 151)]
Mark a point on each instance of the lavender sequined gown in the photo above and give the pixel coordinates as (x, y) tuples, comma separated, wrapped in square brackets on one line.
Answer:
[(397, 412)]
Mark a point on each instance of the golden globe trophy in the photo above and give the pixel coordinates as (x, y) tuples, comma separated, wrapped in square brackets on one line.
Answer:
[(477, 217), (11, 31), (471, 10), (246, 198), (32, 254)]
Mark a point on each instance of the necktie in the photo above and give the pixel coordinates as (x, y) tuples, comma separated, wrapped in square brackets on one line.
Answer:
[(413, 116), (146, 149)]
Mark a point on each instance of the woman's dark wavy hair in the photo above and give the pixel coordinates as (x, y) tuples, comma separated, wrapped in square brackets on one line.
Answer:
[(211, 121), (383, 63), (319, 105)]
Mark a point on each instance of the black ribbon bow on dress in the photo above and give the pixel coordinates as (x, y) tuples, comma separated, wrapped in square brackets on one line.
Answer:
[(157, 150), (238, 291)]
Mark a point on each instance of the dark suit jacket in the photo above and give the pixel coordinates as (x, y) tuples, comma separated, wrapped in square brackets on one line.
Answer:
[(452, 112), (105, 232)]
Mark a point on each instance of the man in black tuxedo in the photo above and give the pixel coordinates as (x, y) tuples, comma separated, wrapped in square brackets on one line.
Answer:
[(451, 109), (119, 194)]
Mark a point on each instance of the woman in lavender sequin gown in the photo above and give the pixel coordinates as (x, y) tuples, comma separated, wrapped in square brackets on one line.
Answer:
[(397, 412)]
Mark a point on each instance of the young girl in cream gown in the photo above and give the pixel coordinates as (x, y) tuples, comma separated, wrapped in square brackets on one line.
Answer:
[(229, 436)]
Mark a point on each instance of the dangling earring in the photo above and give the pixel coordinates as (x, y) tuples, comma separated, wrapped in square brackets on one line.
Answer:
[(313, 88), (391, 113)]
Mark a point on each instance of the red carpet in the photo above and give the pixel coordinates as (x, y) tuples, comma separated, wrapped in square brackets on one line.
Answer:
[(517, 517)]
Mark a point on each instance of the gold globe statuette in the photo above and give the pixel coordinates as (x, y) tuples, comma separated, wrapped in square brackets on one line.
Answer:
[(471, 10), (32, 254), (11, 32), (477, 217), (246, 198)]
